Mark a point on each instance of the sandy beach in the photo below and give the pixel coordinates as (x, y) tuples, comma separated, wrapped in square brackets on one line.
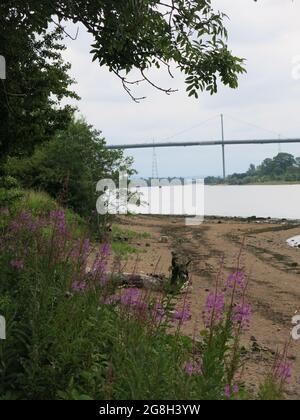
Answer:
[(272, 266)]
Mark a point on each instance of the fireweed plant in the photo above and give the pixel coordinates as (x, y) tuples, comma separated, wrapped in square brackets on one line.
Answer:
[(280, 373), (73, 332)]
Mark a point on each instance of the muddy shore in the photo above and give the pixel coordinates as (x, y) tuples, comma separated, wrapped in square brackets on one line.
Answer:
[(273, 268)]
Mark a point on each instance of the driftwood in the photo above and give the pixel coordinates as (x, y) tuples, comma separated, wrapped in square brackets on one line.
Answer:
[(179, 269), (154, 282)]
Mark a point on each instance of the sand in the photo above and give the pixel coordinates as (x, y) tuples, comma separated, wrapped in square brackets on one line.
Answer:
[(272, 265)]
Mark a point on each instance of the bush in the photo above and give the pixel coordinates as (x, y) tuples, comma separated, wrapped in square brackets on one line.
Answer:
[(10, 192), (69, 166)]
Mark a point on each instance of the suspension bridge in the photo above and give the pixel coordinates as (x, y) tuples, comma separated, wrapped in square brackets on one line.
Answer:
[(221, 142)]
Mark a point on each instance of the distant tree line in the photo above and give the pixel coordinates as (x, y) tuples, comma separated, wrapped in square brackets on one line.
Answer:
[(282, 168)]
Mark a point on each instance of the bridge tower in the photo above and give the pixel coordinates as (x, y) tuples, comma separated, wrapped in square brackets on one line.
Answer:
[(223, 146), (154, 163)]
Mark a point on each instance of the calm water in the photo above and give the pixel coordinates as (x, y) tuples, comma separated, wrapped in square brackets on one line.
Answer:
[(276, 201)]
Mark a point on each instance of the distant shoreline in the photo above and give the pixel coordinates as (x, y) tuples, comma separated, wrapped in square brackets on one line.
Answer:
[(230, 184), (226, 184)]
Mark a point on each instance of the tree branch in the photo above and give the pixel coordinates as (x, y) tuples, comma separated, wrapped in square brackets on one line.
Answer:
[(125, 84), (64, 31), (166, 91)]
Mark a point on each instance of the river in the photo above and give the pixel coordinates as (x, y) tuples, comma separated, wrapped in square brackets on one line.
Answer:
[(275, 201)]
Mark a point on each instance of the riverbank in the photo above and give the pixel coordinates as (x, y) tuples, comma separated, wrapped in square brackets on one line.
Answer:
[(272, 266), (255, 183)]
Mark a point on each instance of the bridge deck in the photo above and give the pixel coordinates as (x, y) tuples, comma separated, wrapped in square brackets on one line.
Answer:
[(202, 143)]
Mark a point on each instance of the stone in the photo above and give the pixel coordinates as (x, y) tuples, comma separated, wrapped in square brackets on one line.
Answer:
[(164, 239)]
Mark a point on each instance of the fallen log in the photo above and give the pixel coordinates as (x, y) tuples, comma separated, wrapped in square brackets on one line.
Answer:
[(154, 282)]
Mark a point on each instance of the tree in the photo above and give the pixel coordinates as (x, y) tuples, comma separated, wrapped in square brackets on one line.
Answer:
[(141, 34), (297, 162), (37, 81), (252, 170), (266, 168), (69, 166), (283, 167), (278, 165), (282, 162)]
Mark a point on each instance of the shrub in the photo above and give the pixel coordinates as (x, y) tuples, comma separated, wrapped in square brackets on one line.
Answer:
[(10, 192), (69, 166)]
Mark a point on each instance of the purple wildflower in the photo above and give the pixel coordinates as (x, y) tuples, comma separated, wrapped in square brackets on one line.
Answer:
[(18, 264), (23, 220), (86, 246), (103, 280), (58, 216), (283, 370), (78, 286), (236, 280), (33, 226), (100, 264), (214, 309), (130, 297), (182, 315), (241, 314), (80, 252), (105, 250), (98, 271), (227, 391), (192, 368), (235, 389)]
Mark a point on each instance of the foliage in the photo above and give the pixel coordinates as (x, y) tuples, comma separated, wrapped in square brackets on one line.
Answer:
[(10, 193), (141, 34), (284, 167), (69, 166), (73, 334), (37, 82)]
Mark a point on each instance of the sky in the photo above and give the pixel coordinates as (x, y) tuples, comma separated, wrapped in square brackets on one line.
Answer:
[(265, 105)]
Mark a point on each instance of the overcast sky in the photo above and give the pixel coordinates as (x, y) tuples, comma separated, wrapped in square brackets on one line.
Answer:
[(266, 104)]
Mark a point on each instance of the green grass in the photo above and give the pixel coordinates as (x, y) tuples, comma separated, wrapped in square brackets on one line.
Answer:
[(40, 204), (123, 249), (121, 234), (121, 241), (37, 203)]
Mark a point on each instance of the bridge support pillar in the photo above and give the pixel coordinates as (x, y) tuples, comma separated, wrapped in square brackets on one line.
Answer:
[(223, 147)]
